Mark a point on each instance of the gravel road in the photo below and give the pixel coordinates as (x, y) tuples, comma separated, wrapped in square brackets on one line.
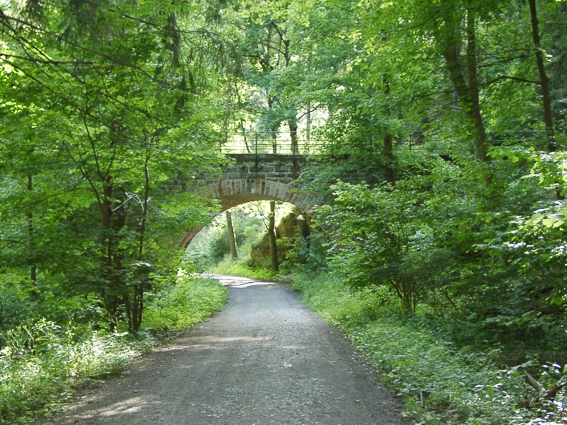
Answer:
[(265, 359)]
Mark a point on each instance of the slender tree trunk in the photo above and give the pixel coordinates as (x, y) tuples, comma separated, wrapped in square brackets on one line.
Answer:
[(272, 236), (551, 143), (470, 108), (145, 209), (274, 140), (388, 139), (468, 93), (389, 154), (243, 136), (31, 236), (231, 238), (308, 124), (481, 145), (274, 128), (137, 302), (545, 90), (106, 253), (118, 281), (106, 217), (114, 289)]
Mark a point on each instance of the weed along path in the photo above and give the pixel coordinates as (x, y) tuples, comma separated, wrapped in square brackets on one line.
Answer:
[(265, 359)]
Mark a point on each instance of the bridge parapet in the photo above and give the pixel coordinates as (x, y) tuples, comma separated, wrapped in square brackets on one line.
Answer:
[(275, 167)]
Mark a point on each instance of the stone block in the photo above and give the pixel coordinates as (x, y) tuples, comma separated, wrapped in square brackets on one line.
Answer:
[(273, 176)]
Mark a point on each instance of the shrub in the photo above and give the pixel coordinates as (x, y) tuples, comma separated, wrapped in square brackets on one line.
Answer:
[(240, 268)]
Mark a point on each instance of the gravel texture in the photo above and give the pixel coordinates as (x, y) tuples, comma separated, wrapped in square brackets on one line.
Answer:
[(265, 359)]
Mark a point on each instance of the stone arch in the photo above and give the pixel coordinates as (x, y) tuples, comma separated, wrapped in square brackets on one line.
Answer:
[(233, 192)]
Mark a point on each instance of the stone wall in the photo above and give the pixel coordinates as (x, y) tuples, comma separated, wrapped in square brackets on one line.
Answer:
[(273, 167)]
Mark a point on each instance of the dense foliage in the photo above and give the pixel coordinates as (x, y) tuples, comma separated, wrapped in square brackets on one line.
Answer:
[(104, 122), (102, 109), (455, 111)]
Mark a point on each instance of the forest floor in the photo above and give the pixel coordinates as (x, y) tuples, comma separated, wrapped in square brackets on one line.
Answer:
[(265, 359)]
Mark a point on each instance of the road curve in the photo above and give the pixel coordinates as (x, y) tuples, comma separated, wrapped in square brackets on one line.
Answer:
[(265, 359)]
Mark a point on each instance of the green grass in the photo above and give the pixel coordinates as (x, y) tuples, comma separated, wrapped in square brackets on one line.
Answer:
[(41, 364), (439, 383), (181, 306), (238, 267)]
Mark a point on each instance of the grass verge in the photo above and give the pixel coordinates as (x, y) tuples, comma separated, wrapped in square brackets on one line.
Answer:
[(42, 363), (239, 268), (183, 305), (439, 383)]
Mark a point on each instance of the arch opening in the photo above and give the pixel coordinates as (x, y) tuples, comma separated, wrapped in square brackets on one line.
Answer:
[(234, 192), (211, 245)]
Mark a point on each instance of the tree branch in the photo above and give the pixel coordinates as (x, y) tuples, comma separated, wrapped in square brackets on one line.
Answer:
[(45, 61), (507, 77)]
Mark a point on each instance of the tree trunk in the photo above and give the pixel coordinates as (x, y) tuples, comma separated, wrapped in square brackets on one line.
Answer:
[(137, 307), (308, 124), (274, 131), (481, 144), (31, 237), (272, 236), (106, 253), (388, 139), (114, 289), (551, 143), (468, 93), (545, 91), (231, 238), (389, 155), (137, 303)]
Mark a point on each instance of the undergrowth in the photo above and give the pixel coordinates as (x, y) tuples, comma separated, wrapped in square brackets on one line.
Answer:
[(43, 362), (239, 268), (439, 382), (181, 306)]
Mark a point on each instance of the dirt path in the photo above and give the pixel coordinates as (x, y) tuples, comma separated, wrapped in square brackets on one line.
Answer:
[(266, 359)]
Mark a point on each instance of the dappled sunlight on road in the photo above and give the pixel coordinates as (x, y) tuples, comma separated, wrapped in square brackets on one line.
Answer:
[(131, 405)]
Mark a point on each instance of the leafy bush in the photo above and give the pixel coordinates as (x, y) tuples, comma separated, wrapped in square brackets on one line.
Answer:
[(25, 302), (338, 303), (42, 362), (219, 245), (379, 237)]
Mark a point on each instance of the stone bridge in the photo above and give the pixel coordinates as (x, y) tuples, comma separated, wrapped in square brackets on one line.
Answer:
[(258, 177)]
